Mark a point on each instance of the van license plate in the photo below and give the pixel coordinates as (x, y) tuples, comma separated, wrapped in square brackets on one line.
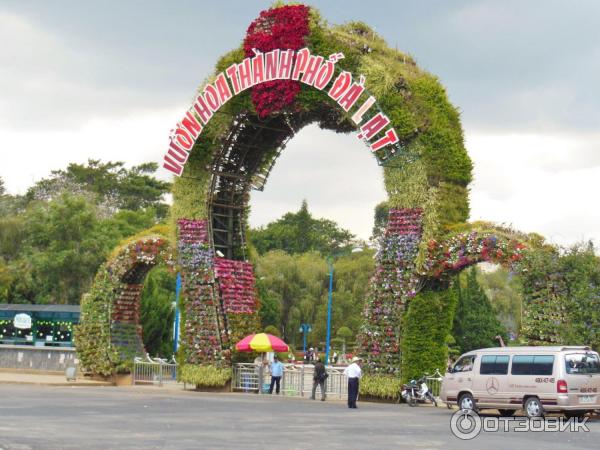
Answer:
[(587, 399)]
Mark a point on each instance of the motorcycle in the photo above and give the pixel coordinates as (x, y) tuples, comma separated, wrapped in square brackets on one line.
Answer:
[(417, 391)]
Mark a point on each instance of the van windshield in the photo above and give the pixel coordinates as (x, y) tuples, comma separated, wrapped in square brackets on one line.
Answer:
[(582, 363)]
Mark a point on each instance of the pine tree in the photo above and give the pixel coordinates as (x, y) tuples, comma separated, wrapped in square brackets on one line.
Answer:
[(157, 313), (475, 324)]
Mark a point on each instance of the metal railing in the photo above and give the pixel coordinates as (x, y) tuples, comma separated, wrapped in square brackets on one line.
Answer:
[(434, 383), (297, 380), (154, 370)]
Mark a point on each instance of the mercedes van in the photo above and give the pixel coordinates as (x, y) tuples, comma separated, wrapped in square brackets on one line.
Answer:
[(536, 379)]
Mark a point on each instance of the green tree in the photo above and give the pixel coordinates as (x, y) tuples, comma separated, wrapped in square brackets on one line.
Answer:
[(158, 313), (110, 184), (295, 288), (64, 248), (270, 329), (10, 205), (300, 232), (475, 323), (270, 309), (426, 333), (380, 220), (54, 248), (297, 282), (503, 288)]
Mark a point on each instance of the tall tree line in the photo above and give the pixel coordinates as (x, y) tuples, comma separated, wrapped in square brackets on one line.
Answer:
[(53, 238)]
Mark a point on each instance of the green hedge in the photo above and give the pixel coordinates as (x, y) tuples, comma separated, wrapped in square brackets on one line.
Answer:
[(380, 386), (428, 324), (207, 376)]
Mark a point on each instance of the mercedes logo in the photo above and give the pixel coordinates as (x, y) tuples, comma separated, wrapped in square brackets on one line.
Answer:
[(492, 385)]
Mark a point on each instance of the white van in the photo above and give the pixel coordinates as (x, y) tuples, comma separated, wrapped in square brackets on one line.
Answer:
[(536, 379)]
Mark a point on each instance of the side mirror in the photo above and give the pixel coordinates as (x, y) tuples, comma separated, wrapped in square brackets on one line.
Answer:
[(450, 369)]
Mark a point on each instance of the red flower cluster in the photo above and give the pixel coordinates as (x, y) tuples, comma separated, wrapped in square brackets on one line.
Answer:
[(237, 286), (404, 221), (284, 28)]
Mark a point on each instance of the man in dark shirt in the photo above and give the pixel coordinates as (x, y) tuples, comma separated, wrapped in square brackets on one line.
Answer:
[(319, 377)]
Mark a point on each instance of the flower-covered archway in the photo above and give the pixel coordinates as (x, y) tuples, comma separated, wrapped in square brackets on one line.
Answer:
[(293, 69), (110, 333), (426, 172)]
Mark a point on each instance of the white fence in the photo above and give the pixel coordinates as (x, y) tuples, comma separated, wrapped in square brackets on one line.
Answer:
[(434, 383), (297, 380), (154, 371)]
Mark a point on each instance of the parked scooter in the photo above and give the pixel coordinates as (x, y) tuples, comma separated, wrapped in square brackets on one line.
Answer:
[(417, 391)]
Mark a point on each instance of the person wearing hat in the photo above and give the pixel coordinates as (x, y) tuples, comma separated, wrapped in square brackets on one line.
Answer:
[(353, 372), (276, 374), (309, 355)]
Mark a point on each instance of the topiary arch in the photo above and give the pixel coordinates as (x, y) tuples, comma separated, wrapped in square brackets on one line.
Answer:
[(426, 184), (110, 333), (227, 144)]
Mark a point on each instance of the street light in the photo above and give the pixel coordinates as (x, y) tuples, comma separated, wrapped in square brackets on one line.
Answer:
[(304, 329), (176, 324), (329, 295)]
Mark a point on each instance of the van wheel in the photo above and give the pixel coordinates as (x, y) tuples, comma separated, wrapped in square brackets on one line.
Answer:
[(533, 407), (466, 401), (506, 412)]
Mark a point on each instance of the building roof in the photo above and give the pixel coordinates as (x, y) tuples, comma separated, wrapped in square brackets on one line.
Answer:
[(39, 308)]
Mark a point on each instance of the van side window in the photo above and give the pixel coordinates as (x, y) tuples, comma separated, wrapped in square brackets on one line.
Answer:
[(464, 364), (494, 365), (532, 365)]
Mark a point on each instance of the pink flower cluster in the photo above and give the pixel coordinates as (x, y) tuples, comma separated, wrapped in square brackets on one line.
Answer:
[(237, 286), (404, 221), (192, 231)]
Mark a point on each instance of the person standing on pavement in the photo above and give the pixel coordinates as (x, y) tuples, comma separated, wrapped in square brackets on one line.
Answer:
[(276, 374), (353, 372), (319, 378)]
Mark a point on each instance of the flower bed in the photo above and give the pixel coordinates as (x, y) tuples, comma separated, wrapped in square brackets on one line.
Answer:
[(394, 282), (237, 288), (204, 338)]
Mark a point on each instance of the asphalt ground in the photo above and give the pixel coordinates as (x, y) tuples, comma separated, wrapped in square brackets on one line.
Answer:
[(57, 417)]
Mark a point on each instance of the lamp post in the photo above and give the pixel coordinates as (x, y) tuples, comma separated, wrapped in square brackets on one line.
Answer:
[(304, 329), (329, 295)]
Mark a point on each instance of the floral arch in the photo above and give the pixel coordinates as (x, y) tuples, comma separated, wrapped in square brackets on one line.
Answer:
[(110, 333), (345, 79)]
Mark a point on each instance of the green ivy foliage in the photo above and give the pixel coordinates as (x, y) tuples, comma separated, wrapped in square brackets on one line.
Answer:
[(561, 291), (92, 335)]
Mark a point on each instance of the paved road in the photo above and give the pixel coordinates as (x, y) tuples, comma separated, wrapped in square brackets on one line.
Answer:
[(49, 417)]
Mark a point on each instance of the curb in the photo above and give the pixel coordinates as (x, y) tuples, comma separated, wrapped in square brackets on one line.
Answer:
[(57, 383)]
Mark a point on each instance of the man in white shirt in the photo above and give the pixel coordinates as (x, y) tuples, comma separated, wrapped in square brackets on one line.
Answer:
[(353, 372)]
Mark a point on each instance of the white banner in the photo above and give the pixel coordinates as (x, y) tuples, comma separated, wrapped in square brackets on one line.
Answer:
[(22, 321)]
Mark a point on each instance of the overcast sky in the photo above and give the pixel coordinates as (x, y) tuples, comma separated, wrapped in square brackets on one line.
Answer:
[(109, 79)]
